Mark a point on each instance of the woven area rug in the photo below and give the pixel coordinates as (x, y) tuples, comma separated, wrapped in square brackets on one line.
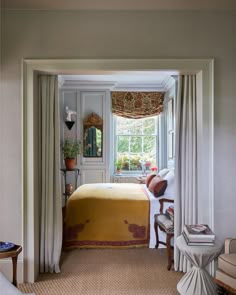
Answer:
[(107, 271)]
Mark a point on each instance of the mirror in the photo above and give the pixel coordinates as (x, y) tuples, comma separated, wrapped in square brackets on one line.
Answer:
[(93, 128)]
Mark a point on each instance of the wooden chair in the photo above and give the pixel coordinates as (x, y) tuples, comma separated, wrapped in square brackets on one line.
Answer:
[(166, 225)]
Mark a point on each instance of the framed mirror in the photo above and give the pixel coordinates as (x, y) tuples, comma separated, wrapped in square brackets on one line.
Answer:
[(93, 137)]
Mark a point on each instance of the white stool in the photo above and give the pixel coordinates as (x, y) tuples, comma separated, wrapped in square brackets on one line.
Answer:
[(197, 281)]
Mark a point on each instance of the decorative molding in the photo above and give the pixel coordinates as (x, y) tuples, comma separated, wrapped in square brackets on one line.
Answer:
[(150, 87), (61, 81), (168, 83), (96, 172), (89, 85), (114, 85)]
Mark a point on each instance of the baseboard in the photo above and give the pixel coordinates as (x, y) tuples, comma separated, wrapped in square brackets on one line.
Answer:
[(6, 269)]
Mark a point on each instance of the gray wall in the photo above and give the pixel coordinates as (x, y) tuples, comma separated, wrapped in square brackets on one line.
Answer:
[(32, 34)]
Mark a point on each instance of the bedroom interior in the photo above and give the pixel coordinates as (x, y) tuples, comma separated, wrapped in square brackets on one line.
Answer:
[(50, 55), (100, 100)]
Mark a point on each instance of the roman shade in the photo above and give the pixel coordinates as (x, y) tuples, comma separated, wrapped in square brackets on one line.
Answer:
[(137, 105)]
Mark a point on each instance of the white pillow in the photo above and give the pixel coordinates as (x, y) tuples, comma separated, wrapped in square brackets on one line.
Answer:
[(162, 173), (170, 189)]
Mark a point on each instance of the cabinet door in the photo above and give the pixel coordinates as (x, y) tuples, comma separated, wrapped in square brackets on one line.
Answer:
[(92, 176)]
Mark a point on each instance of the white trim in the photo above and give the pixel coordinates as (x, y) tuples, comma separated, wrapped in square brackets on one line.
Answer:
[(73, 84), (168, 83), (65, 66)]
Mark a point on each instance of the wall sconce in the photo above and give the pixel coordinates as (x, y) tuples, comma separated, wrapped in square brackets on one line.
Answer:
[(69, 122)]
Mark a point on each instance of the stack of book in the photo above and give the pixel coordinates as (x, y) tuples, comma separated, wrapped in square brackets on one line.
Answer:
[(198, 235)]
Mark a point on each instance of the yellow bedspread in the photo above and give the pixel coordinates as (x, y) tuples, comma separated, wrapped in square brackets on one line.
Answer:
[(107, 215)]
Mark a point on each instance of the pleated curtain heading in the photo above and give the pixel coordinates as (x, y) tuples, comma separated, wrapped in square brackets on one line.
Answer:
[(137, 105)]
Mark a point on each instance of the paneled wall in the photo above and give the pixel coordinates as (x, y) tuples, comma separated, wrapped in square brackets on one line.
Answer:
[(85, 102)]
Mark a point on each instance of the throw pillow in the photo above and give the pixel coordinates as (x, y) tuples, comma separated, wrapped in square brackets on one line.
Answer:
[(149, 179), (157, 186)]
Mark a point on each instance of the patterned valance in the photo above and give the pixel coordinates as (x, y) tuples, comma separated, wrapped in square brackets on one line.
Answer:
[(136, 105)]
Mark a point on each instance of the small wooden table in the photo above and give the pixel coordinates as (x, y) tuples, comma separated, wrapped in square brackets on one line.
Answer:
[(13, 253)]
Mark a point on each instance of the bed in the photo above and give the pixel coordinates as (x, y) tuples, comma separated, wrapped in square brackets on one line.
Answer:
[(110, 215)]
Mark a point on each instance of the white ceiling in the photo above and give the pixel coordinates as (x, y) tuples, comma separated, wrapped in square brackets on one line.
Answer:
[(121, 4)]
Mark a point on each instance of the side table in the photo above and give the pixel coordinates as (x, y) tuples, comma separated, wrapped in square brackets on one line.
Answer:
[(65, 171), (13, 253), (197, 281)]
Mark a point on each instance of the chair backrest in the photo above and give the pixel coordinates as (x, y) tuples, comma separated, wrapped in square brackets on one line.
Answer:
[(164, 200)]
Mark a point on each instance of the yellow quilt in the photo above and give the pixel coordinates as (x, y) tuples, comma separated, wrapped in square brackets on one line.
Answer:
[(107, 215)]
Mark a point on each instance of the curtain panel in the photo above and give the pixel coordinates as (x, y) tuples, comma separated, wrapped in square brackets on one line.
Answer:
[(186, 158), (137, 105), (50, 181)]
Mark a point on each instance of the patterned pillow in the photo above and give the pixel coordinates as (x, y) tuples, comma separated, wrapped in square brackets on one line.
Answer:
[(149, 179), (157, 186)]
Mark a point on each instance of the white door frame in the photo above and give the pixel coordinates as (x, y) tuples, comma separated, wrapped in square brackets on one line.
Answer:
[(204, 70)]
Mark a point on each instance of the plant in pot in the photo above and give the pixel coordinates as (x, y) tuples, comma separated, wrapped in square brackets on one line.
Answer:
[(71, 148), (118, 165)]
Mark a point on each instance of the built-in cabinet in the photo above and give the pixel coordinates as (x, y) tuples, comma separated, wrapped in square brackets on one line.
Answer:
[(86, 102)]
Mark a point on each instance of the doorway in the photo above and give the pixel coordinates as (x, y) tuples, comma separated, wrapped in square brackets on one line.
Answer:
[(204, 72)]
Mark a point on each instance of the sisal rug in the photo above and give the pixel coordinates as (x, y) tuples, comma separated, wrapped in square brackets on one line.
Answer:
[(109, 272)]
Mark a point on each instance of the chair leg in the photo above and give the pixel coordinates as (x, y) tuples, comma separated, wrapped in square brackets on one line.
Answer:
[(168, 249), (157, 236)]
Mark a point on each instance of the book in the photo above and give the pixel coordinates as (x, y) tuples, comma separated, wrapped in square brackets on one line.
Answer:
[(199, 231), (190, 243), (197, 238)]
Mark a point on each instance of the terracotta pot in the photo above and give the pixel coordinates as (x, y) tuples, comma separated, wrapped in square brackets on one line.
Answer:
[(70, 163)]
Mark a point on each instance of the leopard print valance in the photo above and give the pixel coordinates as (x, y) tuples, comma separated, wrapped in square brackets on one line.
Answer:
[(136, 105)]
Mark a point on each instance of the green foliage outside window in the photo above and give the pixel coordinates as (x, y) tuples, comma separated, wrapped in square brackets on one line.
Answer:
[(136, 143)]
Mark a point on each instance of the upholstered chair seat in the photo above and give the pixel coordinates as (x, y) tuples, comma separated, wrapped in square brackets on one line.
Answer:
[(165, 222), (226, 272), (227, 263)]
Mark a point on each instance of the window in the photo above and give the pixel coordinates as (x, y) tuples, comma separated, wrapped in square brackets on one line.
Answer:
[(136, 142)]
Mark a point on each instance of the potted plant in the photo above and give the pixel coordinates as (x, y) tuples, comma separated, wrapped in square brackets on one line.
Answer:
[(70, 150), (118, 165)]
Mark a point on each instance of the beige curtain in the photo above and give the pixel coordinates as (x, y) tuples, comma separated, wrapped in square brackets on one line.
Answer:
[(185, 161), (51, 209), (136, 105)]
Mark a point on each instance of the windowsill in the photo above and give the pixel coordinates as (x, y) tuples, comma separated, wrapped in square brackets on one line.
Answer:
[(129, 175)]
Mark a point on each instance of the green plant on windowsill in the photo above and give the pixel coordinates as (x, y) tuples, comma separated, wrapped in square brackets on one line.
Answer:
[(71, 148), (118, 164)]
